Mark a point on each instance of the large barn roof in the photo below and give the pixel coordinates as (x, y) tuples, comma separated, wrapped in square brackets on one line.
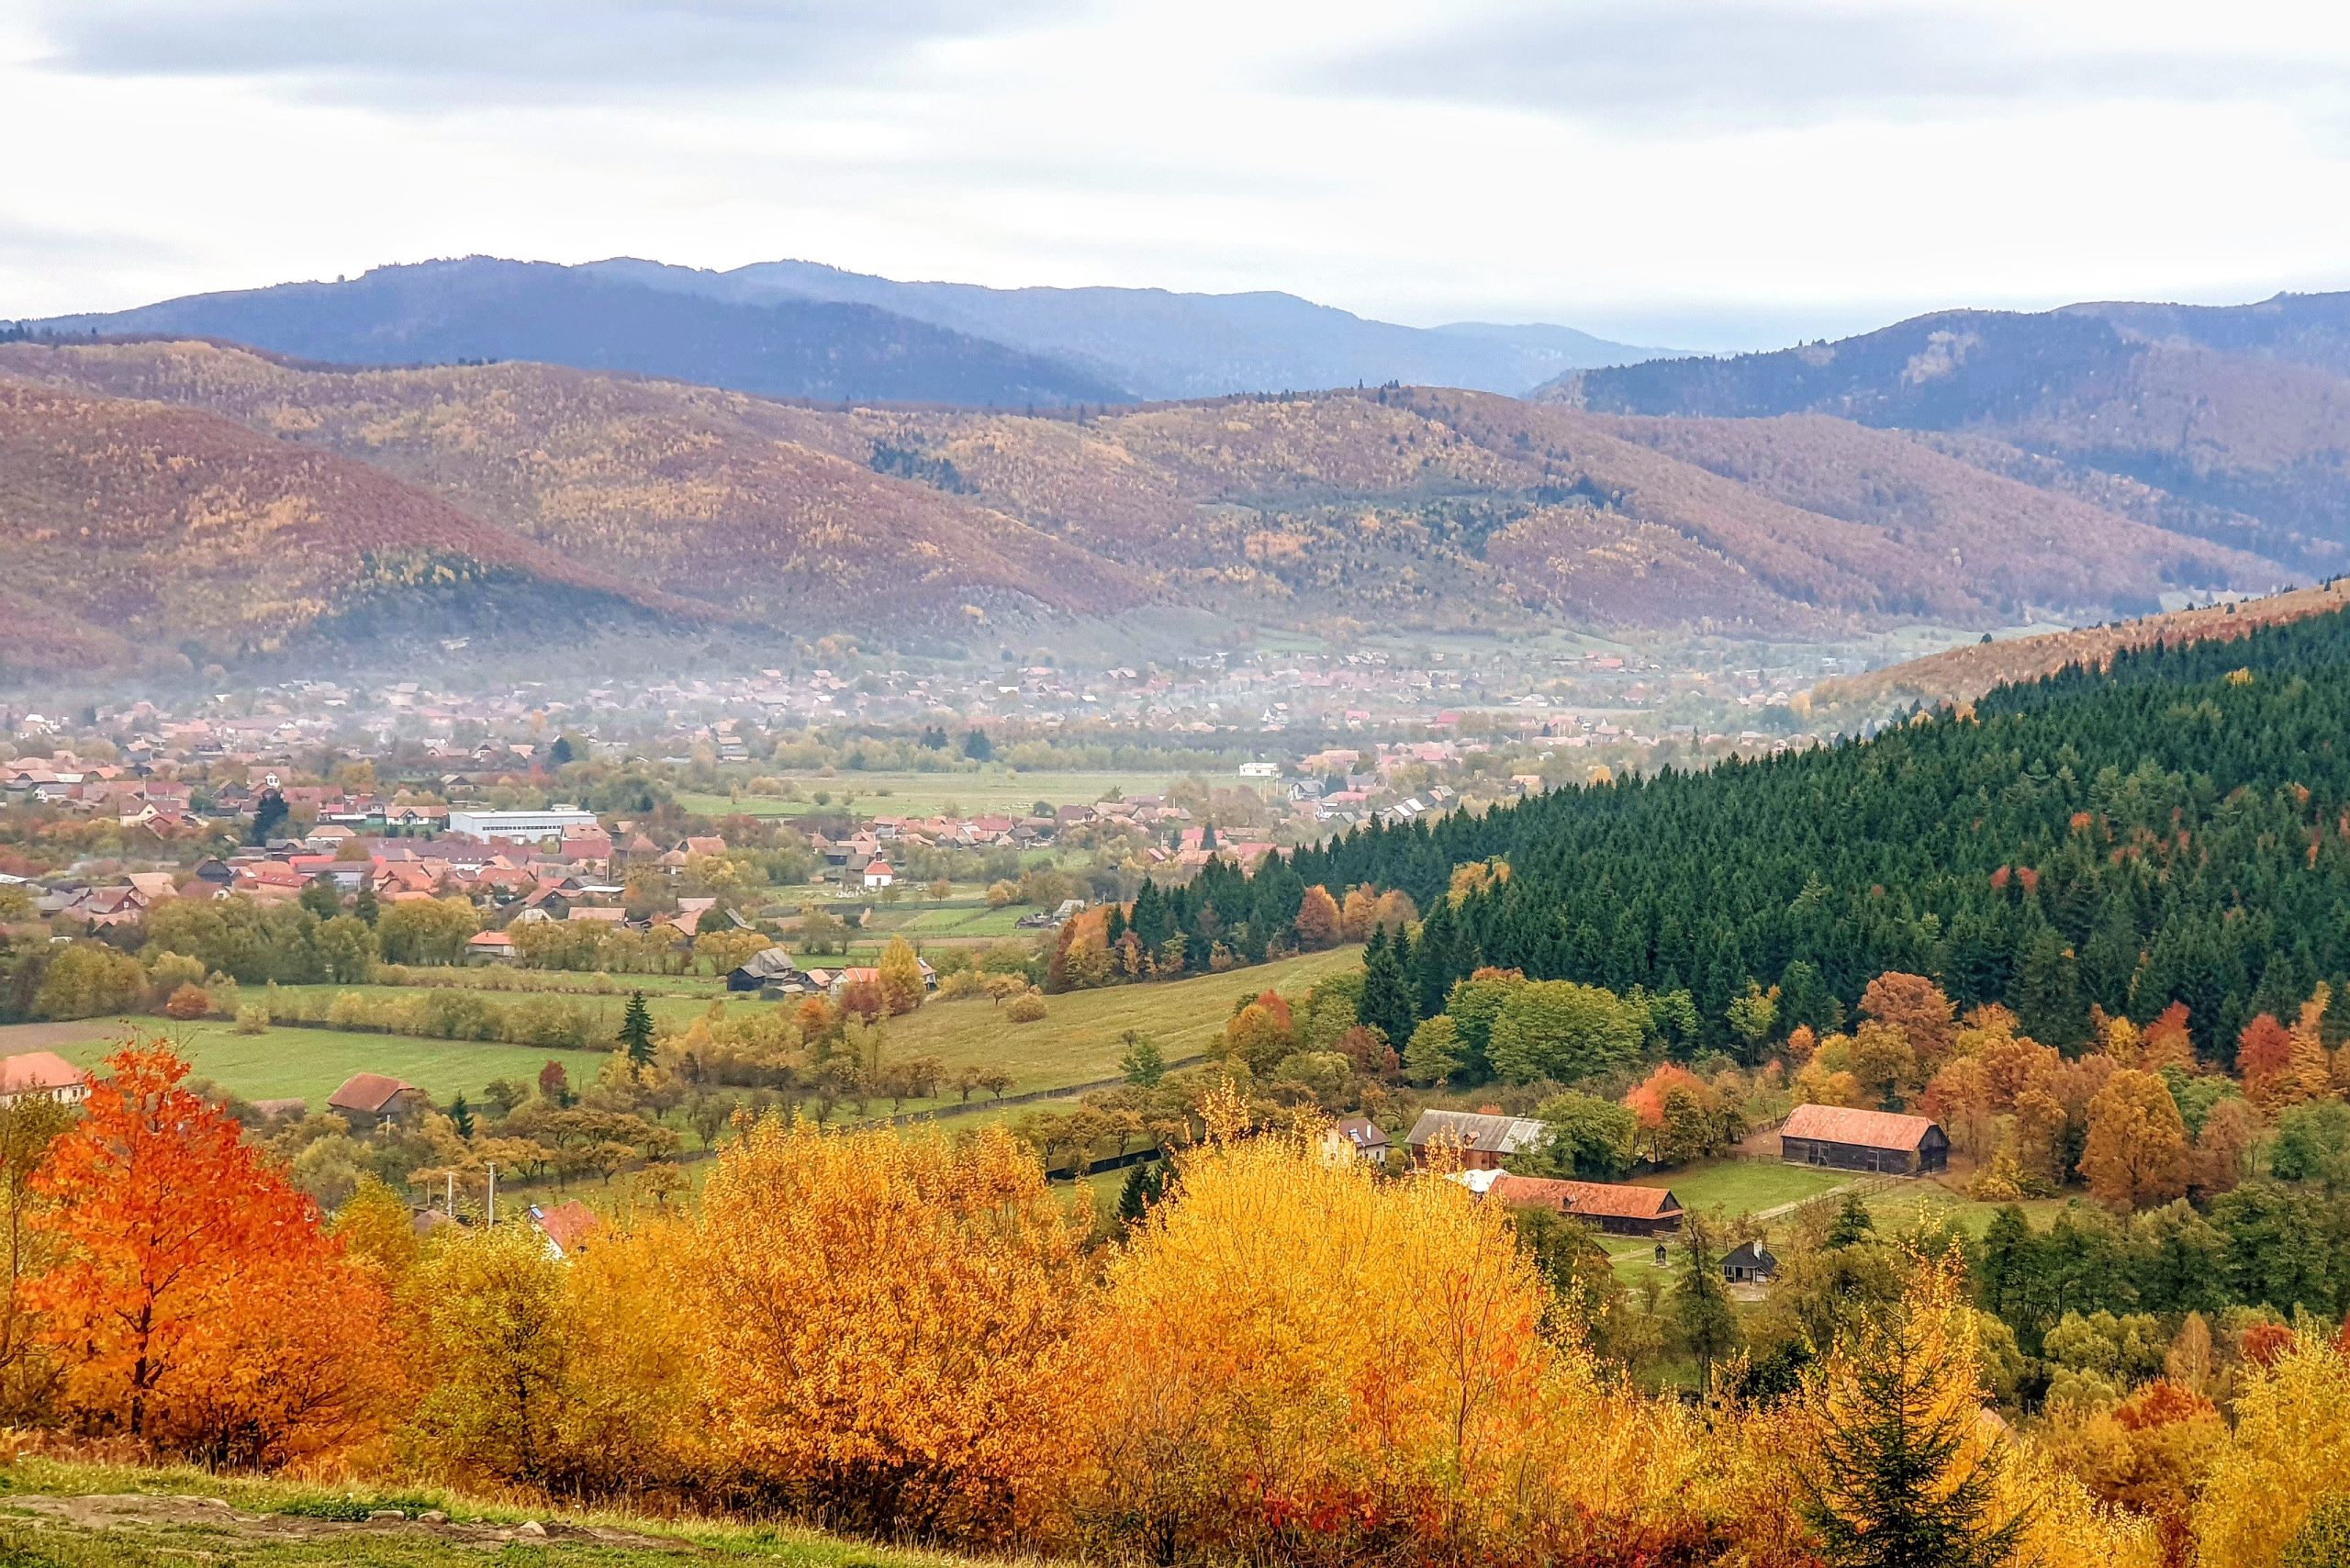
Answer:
[(1868, 1129)]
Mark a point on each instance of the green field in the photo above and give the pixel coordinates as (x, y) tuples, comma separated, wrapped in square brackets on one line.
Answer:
[(1743, 1186), (310, 1064), (1081, 1038), (928, 794)]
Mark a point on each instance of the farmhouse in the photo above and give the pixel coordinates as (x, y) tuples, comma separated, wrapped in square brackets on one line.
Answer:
[(1846, 1139), (772, 966), (1614, 1207), (369, 1099), (41, 1075), (1476, 1142), (1749, 1263), (1356, 1138)]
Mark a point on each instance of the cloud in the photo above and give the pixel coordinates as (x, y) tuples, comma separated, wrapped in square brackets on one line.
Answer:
[(437, 53), (1666, 65)]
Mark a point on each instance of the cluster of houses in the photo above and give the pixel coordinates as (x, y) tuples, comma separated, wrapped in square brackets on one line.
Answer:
[(1475, 1146)]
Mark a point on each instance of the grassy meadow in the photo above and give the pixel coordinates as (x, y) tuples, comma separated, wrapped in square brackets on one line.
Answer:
[(993, 788), (286, 1063)]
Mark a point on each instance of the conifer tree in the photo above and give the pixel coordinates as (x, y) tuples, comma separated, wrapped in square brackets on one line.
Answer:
[(636, 1030)]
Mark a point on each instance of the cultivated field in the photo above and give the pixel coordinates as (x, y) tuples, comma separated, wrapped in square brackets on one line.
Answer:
[(310, 1064), (928, 794)]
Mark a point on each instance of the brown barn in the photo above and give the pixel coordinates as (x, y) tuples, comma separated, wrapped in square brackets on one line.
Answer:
[(1617, 1209), (371, 1100), (1845, 1139)]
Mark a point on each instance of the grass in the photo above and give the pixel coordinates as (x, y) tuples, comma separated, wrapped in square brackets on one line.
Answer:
[(1081, 1038), (300, 1527), (1743, 1186), (288, 1063), (994, 789)]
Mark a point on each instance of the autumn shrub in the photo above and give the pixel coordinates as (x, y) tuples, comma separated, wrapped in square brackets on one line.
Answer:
[(88, 979), (189, 1001), (881, 1320), (1027, 1008), (196, 1303), (1295, 1361)]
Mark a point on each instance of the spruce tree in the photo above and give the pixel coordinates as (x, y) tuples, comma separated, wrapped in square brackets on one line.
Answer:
[(1145, 1185), (1702, 1319), (1386, 1003), (461, 1116), (1851, 1225), (636, 1030)]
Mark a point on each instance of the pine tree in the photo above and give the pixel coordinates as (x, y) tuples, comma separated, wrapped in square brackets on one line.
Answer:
[(1145, 1184), (1851, 1225), (1386, 1003), (1702, 1315), (461, 1116), (636, 1030)]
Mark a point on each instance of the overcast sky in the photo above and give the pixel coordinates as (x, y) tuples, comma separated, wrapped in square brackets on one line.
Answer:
[(1691, 172)]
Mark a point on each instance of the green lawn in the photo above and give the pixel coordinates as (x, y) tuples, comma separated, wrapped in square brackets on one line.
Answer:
[(1743, 1186), (927, 794), (310, 1064)]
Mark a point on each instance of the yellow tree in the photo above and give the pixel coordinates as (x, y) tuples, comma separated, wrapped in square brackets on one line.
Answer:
[(882, 1321), (2289, 1447), (901, 976), (2136, 1153)]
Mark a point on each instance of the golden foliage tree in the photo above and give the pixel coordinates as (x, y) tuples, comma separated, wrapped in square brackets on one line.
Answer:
[(2136, 1154), (2290, 1447), (882, 1319)]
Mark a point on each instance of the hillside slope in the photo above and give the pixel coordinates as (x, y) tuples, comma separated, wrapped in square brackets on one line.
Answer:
[(132, 529), (2240, 416), (1409, 506), (482, 308), (1164, 344), (701, 494), (1960, 675)]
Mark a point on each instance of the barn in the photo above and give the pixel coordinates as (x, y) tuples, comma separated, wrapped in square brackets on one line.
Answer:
[(1615, 1208), (1842, 1138)]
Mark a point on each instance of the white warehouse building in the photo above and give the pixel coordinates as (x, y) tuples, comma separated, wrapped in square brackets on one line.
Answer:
[(549, 824)]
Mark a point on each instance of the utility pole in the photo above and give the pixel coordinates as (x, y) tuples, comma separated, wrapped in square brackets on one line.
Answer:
[(493, 1196), (449, 1200)]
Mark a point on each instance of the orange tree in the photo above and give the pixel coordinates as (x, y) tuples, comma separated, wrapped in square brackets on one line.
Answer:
[(194, 1300)]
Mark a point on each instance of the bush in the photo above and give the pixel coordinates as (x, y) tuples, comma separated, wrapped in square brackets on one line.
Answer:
[(252, 1018), (1028, 1009), (190, 1000)]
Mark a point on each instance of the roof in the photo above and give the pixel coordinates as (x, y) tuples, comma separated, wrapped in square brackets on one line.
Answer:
[(772, 964), (1750, 1255), (1869, 1129), (1362, 1132), (1593, 1199), (31, 1071), (1484, 1134), (367, 1091), (568, 1226), (490, 939)]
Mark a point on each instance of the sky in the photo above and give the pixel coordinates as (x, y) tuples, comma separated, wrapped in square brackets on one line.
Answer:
[(1699, 174)]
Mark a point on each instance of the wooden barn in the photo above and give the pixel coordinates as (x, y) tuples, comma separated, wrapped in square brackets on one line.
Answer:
[(1842, 1138), (1617, 1209)]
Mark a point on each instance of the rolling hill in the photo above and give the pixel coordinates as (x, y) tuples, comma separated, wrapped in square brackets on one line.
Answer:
[(1398, 506), (138, 532), (2233, 421)]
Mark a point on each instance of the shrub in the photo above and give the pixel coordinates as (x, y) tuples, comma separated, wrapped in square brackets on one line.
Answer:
[(190, 1000), (1028, 1009), (252, 1018)]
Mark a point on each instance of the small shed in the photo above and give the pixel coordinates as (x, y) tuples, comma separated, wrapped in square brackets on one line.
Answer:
[(1749, 1263), (1842, 1138)]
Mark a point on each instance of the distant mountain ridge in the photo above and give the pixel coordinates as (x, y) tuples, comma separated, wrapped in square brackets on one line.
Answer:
[(1165, 346), (801, 329), (2238, 414)]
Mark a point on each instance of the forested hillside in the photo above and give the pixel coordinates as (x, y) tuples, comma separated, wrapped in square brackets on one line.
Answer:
[(1406, 506), (138, 532), (2174, 829), (2236, 419)]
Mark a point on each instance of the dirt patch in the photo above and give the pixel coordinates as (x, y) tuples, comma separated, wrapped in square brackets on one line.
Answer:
[(138, 1511), (17, 1037)]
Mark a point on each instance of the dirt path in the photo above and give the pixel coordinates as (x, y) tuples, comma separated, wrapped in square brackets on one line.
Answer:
[(15, 1038), (139, 1512)]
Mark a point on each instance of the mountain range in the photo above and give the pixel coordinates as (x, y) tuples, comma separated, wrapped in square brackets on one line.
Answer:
[(2230, 423), (800, 329), (209, 501)]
